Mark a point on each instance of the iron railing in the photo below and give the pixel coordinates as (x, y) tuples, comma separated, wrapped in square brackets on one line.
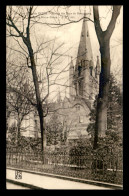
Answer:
[(89, 166)]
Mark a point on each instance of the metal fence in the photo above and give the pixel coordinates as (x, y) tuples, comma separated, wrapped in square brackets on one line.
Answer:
[(89, 166)]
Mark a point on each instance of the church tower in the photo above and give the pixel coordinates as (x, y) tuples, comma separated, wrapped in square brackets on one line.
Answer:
[(84, 63), (85, 73)]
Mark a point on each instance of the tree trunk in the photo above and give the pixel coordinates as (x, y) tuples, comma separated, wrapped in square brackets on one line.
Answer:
[(39, 104), (42, 128), (36, 84), (18, 133), (102, 100)]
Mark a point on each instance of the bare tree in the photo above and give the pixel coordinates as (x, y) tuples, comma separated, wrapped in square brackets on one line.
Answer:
[(18, 106), (19, 14)]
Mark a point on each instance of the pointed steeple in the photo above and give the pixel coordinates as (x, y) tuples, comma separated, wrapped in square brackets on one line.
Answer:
[(84, 50)]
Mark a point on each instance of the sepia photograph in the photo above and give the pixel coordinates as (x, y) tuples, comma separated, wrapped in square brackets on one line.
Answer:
[(64, 97)]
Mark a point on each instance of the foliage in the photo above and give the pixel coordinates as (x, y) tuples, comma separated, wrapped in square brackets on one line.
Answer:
[(81, 147), (114, 113), (54, 130), (26, 144), (12, 135)]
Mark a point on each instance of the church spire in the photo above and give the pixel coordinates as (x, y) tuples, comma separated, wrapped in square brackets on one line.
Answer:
[(84, 63), (84, 50)]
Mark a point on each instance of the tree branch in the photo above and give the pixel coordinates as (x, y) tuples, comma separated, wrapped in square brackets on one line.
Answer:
[(57, 25), (111, 26), (29, 17), (97, 22)]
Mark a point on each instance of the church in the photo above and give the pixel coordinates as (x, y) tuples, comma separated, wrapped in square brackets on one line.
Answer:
[(74, 110)]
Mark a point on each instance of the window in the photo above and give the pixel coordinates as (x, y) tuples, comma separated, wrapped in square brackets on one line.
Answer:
[(80, 119), (78, 107), (81, 87), (79, 70), (91, 71), (35, 122), (82, 63)]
